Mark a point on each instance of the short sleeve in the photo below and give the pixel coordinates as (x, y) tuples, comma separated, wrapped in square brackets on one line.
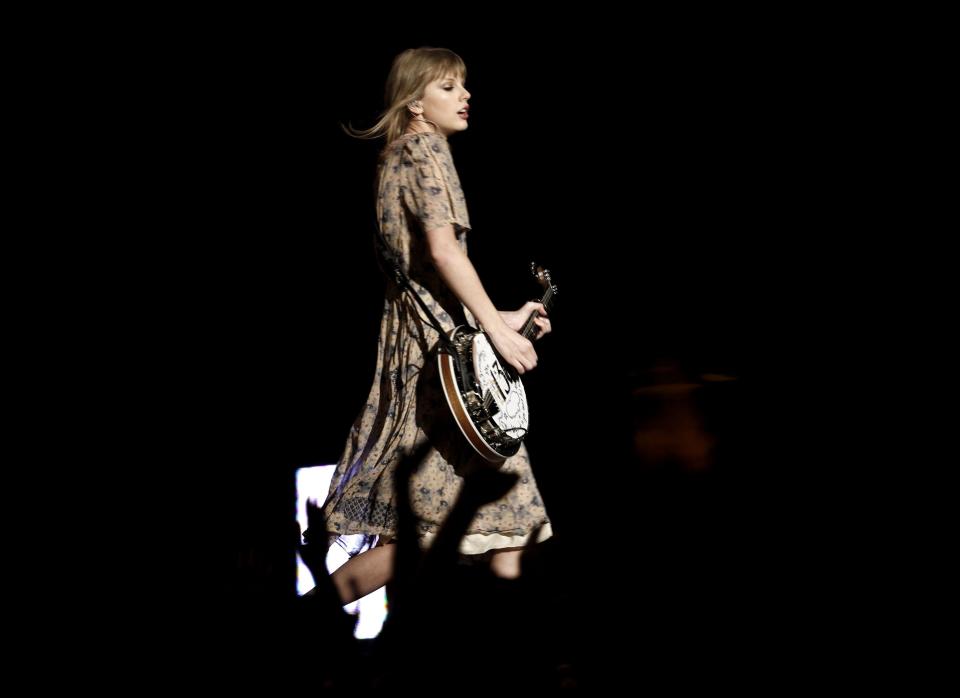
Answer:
[(432, 191)]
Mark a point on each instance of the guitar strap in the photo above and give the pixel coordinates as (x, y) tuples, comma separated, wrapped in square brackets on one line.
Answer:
[(404, 282)]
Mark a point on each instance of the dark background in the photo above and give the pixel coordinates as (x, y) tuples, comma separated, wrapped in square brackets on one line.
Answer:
[(670, 181), (662, 188)]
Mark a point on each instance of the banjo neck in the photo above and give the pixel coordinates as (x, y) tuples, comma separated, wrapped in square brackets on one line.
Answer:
[(529, 328)]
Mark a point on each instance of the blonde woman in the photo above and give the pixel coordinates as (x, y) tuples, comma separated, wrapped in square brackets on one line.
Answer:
[(423, 226)]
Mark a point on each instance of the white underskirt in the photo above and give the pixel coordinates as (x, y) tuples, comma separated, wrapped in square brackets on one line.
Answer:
[(479, 543)]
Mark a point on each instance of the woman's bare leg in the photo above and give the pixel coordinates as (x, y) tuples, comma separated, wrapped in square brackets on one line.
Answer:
[(505, 562), (364, 573)]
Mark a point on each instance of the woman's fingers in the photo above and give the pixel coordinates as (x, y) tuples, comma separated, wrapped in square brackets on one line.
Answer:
[(544, 325)]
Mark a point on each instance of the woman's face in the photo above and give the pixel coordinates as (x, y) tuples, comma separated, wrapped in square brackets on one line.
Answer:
[(445, 104)]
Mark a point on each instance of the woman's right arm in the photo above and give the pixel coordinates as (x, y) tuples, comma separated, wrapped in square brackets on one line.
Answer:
[(458, 272)]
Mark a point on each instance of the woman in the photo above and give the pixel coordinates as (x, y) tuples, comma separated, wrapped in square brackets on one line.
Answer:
[(422, 216)]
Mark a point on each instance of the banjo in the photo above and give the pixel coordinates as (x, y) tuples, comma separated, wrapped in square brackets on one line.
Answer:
[(484, 393)]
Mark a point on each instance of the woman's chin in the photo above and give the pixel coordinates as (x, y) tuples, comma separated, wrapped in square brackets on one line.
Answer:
[(456, 128)]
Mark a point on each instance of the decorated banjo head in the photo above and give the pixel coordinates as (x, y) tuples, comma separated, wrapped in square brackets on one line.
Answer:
[(506, 389)]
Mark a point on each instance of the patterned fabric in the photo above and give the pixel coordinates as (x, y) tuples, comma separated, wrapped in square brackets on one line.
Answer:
[(418, 190)]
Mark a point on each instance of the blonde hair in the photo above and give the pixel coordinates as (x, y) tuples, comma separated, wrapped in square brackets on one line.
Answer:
[(409, 76)]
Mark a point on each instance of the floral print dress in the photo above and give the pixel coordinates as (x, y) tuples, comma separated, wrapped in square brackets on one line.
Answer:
[(419, 189)]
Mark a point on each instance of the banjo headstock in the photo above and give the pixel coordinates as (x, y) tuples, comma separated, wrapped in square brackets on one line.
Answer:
[(543, 277)]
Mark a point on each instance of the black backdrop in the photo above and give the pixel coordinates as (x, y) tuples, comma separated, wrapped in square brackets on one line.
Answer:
[(665, 184), (659, 196)]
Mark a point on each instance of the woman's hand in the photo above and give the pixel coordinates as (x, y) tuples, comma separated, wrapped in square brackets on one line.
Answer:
[(512, 346), (516, 319)]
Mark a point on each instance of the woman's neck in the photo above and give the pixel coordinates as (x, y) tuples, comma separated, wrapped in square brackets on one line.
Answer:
[(415, 127)]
